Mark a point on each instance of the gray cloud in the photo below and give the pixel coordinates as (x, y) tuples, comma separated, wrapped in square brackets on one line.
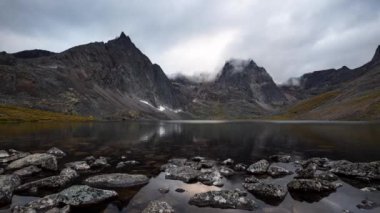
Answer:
[(287, 37)]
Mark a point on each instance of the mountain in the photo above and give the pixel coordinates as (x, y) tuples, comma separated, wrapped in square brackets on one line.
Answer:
[(106, 80)]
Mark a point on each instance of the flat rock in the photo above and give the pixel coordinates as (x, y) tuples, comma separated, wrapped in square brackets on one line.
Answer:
[(128, 163), (312, 185), (228, 161), (367, 204), (57, 152), (158, 206), (186, 174), (251, 179), (66, 176), (225, 199), (226, 172), (27, 171), (4, 154), (266, 190), (43, 160), (8, 183), (14, 156), (116, 180), (329, 176), (277, 171), (281, 158), (78, 165), (101, 162), (308, 172), (207, 163), (180, 190), (370, 171), (240, 167), (212, 177), (260, 167)]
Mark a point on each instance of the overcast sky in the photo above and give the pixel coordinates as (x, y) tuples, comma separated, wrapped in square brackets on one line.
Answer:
[(287, 37)]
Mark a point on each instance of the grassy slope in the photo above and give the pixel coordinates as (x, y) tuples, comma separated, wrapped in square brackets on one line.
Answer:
[(21, 114)]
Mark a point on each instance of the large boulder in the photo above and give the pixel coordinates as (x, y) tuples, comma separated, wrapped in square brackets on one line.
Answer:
[(368, 171), (266, 190), (225, 199), (158, 206), (186, 174), (7, 185), (27, 171), (260, 167), (211, 177), (43, 160), (277, 171), (57, 152), (312, 185), (14, 155), (116, 180), (78, 165)]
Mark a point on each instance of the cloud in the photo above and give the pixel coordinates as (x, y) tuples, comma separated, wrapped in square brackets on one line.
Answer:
[(287, 37)]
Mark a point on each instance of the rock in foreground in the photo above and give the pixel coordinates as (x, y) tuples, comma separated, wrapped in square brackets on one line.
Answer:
[(186, 174), (116, 180), (260, 167), (43, 160), (225, 199), (7, 185), (266, 190), (157, 206), (312, 185)]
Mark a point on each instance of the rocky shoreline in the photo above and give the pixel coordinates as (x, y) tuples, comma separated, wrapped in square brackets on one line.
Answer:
[(310, 177)]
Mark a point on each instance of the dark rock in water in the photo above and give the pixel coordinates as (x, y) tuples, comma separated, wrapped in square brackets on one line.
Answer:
[(266, 190), (277, 171), (368, 189), (101, 162), (14, 155), (27, 171), (307, 172), (124, 164), (368, 171), (90, 159), (251, 179), (225, 171), (260, 167), (66, 176), (207, 163), (78, 165), (177, 161), (321, 163), (4, 154), (312, 185), (1, 171), (228, 161), (198, 158), (281, 158), (8, 183), (65, 209), (212, 177), (116, 180), (77, 195), (164, 190), (180, 190), (194, 164), (186, 174), (57, 152), (225, 199), (367, 204), (157, 206), (240, 167), (329, 176), (43, 160)]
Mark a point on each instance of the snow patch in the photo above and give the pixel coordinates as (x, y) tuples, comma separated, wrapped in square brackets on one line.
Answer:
[(161, 108)]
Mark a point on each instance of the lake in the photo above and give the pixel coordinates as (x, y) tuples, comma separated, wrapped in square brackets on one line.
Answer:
[(153, 143)]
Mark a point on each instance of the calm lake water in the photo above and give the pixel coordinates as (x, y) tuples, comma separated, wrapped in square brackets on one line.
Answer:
[(153, 143)]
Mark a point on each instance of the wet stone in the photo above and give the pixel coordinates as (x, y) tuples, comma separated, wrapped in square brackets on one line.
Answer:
[(78, 165), (27, 171), (277, 171), (225, 171), (186, 174), (198, 158), (101, 162), (266, 190), (13, 156), (369, 171), (128, 163), (240, 167), (180, 190), (312, 185), (329, 176), (307, 172), (116, 180), (368, 189), (8, 183), (164, 190), (228, 161), (157, 206), (207, 163), (90, 159), (43, 160), (281, 158), (4, 154), (81, 195), (57, 152), (260, 167), (251, 179), (367, 204), (212, 177), (225, 199)]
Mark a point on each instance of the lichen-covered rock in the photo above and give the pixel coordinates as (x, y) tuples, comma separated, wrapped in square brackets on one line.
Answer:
[(14, 155), (320, 163), (175, 162), (228, 161), (116, 180), (329, 176), (226, 172), (57, 152), (225, 199), (66, 176), (207, 163), (266, 190), (43, 160), (312, 185), (186, 174), (260, 167), (7, 185), (101, 162), (281, 158), (128, 163), (90, 159), (307, 172), (240, 167), (370, 171), (78, 165), (212, 177), (27, 171), (251, 179), (40, 205), (277, 171), (157, 206)]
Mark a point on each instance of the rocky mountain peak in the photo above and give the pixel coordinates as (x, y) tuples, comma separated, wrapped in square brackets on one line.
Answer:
[(376, 57)]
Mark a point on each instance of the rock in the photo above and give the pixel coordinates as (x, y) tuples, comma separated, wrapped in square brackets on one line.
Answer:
[(362, 171), (66, 176), (164, 190), (228, 161), (367, 204), (266, 190), (186, 174), (180, 190), (123, 157), (57, 152), (90, 159), (157, 206), (78, 165), (42, 204), (281, 158), (327, 176), (240, 167), (260, 167), (43, 160), (4, 154), (116, 180), (225, 171), (27, 171), (320, 163), (197, 158), (194, 165), (207, 163), (178, 161), (65, 209), (277, 171), (225, 199), (312, 185), (8, 183), (1, 171), (14, 156), (211, 178), (126, 164), (368, 189), (251, 179), (101, 162), (307, 172)]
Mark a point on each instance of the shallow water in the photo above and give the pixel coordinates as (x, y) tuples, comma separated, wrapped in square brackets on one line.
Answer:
[(153, 143)]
